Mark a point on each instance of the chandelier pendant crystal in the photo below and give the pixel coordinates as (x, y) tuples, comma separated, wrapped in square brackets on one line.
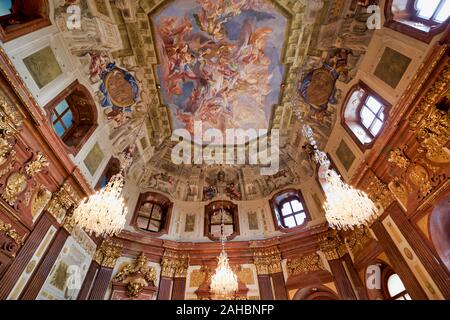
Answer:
[(224, 281), (345, 207)]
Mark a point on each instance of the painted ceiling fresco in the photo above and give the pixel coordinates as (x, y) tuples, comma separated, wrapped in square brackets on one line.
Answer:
[(219, 62)]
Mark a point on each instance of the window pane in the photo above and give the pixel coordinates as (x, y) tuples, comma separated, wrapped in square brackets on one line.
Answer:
[(296, 205), (443, 12), (154, 225), (376, 127), (142, 222), (59, 129), (67, 119), (61, 107), (156, 214), (367, 117), (381, 115), (395, 285), (373, 104), (5, 6), (426, 8), (286, 209), (407, 297), (290, 222), (54, 117), (300, 218)]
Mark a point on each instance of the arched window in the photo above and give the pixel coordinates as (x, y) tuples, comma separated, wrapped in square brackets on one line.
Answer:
[(73, 116), (383, 283), (19, 17), (153, 213), (396, 288), (112, 168), (364, 114), (421, 19), (214, 213), (289, 210)]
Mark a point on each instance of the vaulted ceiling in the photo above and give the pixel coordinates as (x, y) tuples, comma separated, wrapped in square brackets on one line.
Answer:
[(230, 63)]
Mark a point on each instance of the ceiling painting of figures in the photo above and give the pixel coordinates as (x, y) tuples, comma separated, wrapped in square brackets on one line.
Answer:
[(220, 62)]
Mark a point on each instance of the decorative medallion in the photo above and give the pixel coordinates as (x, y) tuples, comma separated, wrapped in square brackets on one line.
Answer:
[(318, 87), (119, 88)]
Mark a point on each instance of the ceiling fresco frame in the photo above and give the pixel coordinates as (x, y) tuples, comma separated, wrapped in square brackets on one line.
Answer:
[(292, 55)]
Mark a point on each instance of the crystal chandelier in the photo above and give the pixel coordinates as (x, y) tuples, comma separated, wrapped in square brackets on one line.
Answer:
[(104, 212), (346, 207), (224, 282)]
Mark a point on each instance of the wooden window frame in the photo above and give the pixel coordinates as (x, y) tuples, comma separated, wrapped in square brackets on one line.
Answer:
[(161, 200), (357, 113), (435, 28), (65, 94), (213, 207), (274, 205), (27, 27)]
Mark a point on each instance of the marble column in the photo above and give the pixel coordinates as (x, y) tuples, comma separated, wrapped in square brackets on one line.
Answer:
[(41, 273), (106, 256), (270, 274), (20, 262)]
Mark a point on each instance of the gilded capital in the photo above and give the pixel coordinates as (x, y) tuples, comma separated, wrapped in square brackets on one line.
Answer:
[(174, 265), (107, 253), (267, 261), (332, 245)]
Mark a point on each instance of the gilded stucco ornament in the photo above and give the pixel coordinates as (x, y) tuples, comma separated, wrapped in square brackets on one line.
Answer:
[(17, 182), (174, 265), (377, 191), (400, 192), (10, 123), (398, 158), (332, 245), (137, 276), (267, 261), (358, 239), (62, 200), (305, 264), (421, 179), (11, 233), (38, 165), (107, 253), (432, 126), (40, 201)]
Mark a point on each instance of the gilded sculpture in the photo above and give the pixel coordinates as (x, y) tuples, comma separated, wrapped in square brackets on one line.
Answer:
[(11, 233), (137, 276)]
